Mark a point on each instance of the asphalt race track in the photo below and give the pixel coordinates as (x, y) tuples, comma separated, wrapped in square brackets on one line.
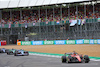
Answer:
[(39, 61)]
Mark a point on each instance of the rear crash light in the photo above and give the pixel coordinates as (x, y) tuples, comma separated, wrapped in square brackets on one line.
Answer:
[(25, 52), (19, 53)]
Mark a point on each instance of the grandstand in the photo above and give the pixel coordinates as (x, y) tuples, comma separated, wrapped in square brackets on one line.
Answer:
[(49, 19)]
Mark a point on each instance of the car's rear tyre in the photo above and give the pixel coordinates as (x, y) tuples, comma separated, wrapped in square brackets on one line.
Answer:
[(81, 57), (67, 60), (63, 59), (6, 50), (8, 53), (70, 58), (27, 54), (15, 54), (2, 51), (86, 59)]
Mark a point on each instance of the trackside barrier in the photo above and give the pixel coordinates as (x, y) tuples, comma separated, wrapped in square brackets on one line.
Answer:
[(26, 42), (95, 41), (98, 41), (19, 43), (91, 41), (81, 41), (86, 41), (37, 42), (48, 42), (70, 41), (60, 42), (3, 43), (57, 42)]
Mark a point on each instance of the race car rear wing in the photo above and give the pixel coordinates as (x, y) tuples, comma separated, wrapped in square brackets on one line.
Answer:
[(68, 53)]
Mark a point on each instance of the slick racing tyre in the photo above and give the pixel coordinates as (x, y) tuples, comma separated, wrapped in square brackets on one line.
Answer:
[(8, 53), (63, 59), (15, 54), (27, 54), (86, 59), (70, 58)]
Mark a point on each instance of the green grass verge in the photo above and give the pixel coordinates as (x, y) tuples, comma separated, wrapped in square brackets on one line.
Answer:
[(60, 54)]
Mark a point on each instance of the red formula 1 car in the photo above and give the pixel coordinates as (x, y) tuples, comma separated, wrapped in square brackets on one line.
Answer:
[(74, 57)]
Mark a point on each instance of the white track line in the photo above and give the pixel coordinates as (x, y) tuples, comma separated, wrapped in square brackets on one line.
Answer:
[(45, 55), (94, 59), (56, 56)]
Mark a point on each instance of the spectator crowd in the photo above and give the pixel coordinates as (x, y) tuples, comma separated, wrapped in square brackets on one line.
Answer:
[(32, 16)]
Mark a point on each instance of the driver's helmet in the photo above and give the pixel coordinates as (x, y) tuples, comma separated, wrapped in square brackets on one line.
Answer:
[(21, 49), (74, 53)]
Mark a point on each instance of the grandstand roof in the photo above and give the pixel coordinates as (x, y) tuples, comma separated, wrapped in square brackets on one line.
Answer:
[(27, 3)]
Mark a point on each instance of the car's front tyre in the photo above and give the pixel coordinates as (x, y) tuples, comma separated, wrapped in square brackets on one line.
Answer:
[(86, 59), (27, 54), (8, 53), (15, 54), (63, 59)]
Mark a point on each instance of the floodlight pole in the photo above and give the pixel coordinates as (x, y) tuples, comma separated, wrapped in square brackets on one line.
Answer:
[(1, 19), (85, 10), (39, 21), (11, 18), (93, 10), (76, 18), (46, 14), (68, 11), (46, 24), (54, 18), (77, 11), (0, 14), (61, 12), (10, 15), (20, 20)]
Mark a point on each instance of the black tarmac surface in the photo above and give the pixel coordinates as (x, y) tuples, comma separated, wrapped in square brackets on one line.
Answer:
[(39, 61)]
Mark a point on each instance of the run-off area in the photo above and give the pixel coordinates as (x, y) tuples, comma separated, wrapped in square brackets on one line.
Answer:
[(40, 61)]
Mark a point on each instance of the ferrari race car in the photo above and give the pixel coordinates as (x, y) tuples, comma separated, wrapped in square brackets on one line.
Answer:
[(3, 50), (11, 51), (74, 57), (21, 53)]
